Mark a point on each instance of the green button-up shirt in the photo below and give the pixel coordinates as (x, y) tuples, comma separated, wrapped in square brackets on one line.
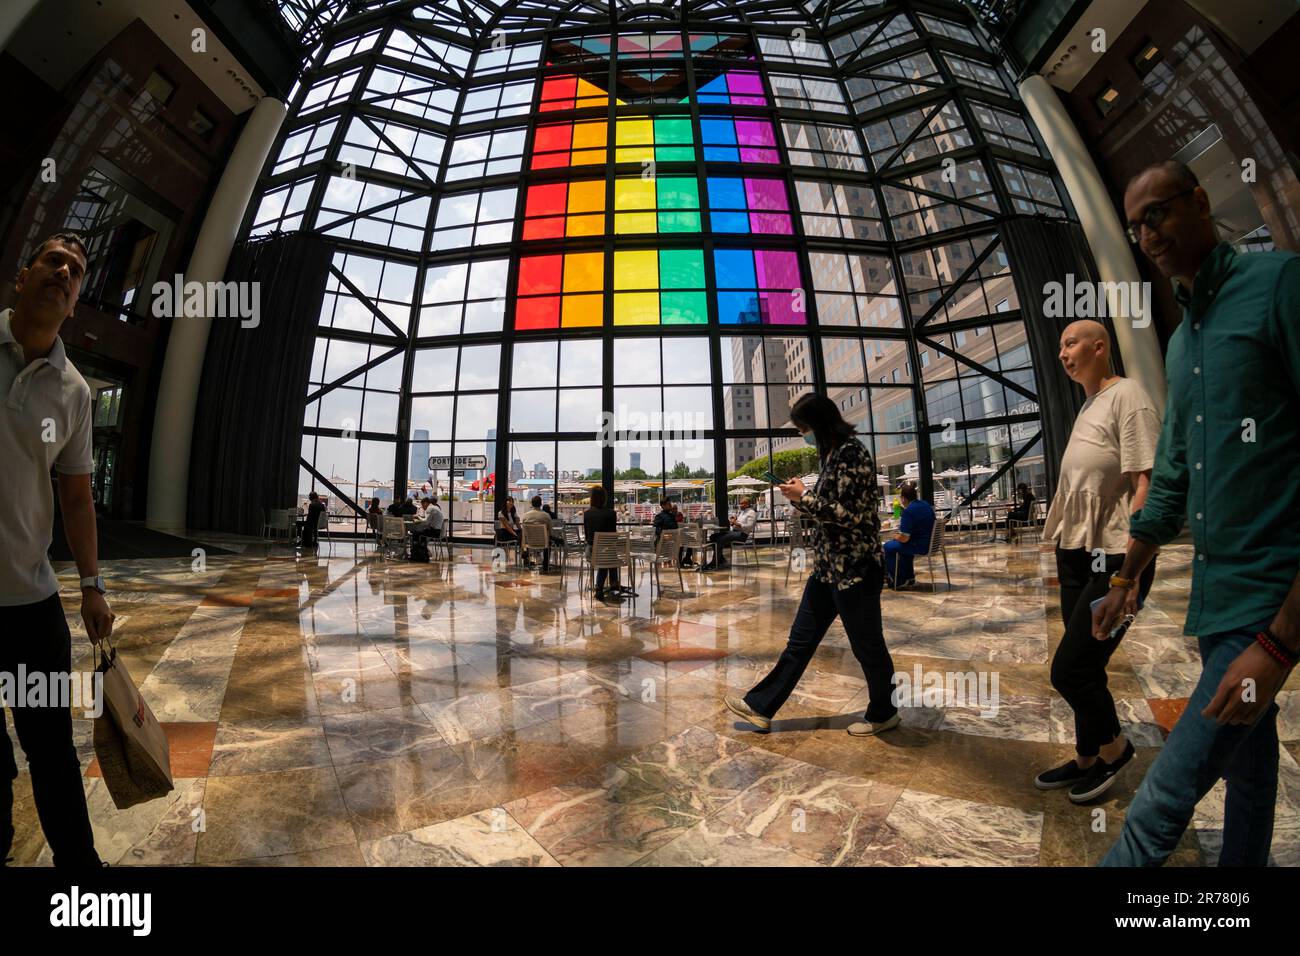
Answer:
[(1229, 455)]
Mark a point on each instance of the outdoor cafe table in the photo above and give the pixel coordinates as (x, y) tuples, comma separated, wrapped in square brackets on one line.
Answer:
[(994, 509)]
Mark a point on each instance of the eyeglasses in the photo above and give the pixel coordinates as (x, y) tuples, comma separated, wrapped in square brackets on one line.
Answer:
[(1152, 216)]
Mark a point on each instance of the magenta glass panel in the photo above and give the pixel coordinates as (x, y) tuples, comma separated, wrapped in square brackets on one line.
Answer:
[(765, 194), (776, 269), (779, 309), (746, 89), (770, 223), (755, 133)]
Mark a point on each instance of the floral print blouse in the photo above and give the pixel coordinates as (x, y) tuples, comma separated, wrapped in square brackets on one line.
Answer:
[(845, 517)]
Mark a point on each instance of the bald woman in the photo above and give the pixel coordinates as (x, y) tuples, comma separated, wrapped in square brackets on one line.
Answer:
[(1104, 477)]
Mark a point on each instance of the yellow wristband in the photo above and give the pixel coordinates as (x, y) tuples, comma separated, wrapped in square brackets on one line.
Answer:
[(1126, 583)]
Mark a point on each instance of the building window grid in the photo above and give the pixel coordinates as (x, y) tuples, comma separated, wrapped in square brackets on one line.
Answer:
[(966, 73)]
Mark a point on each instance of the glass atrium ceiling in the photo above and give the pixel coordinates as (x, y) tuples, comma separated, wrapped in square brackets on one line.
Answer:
[(546, 217)]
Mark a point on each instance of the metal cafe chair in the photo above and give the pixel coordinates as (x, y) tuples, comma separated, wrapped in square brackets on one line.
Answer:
[(323, 530), (572, 544), (796, 544), (535, 536), (691, 537), (1029, 524), (668, 550), (393, 539), (609, 552), (936, 547)]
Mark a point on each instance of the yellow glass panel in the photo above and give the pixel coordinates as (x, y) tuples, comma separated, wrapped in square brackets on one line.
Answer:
[(634, 193), (588, 135), (636, 308), (630, 222), (636, 269), (584, 272), (586, 157), (635, 132), (587, 196), (588, 225), (589, 94), (581, 310), (635, 154)]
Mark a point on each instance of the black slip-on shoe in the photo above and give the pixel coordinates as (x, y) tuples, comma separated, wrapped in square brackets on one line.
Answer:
[(1100, 777), (1066, 775)]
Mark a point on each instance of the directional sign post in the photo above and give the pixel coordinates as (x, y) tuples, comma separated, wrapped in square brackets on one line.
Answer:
[(459, 463)]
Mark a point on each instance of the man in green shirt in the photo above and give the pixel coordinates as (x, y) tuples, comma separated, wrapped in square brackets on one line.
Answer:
[(1227, 462)]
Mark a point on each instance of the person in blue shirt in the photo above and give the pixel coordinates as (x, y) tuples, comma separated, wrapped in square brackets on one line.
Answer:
[(1226, 465), (913, 538)]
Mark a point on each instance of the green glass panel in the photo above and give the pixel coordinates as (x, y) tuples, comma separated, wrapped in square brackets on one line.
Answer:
[(673, 129), (681, 269), (683, 308), (678, 192), (679, 222), (675, 154)]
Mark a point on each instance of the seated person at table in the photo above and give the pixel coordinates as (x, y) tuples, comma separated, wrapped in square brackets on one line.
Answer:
[(913, 538), (507, 526), (311, 523), (595, 519), (742, 526), (665, 519), (535, 514), (430, 521), (374, 515), (1024, 506)]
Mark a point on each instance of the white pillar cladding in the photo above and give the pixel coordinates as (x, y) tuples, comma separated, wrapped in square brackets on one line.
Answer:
[(173, 425), (12, 15), (1139, 347)]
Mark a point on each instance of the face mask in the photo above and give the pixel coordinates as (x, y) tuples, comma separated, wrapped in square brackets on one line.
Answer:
[(810, 439)]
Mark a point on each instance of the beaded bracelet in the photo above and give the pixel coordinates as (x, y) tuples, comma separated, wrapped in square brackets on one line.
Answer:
[(1276, 650)]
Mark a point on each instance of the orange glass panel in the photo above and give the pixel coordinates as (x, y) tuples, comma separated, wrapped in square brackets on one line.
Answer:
[(584, 271), (582, 310)]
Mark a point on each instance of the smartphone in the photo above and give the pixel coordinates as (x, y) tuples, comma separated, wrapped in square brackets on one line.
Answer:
[(1122, 626), (768, 476)]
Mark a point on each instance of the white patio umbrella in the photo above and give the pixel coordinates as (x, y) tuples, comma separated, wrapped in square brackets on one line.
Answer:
[(745, 481)]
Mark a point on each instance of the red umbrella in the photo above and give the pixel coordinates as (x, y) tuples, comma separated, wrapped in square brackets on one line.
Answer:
[(484, 483)]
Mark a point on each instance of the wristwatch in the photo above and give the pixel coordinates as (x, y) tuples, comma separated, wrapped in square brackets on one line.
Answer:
[(1126, 583), (96, 582)]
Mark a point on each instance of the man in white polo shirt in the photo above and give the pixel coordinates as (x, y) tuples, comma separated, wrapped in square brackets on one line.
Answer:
[(45, 423)]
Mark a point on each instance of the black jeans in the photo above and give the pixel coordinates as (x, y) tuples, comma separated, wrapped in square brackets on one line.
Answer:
[(601, 574), (720, 541), (1079, 665), (36, 636), (858, 609)]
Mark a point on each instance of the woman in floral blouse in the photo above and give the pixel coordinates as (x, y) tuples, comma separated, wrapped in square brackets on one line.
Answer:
[(847, 574)]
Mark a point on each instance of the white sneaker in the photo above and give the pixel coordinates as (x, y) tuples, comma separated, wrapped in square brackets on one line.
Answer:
[(865, 728)]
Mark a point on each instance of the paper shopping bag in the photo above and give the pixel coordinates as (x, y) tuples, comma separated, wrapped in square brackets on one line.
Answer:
[(129, 741)]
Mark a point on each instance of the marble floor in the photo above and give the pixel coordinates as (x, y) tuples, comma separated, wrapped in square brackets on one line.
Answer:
[(344, 710)]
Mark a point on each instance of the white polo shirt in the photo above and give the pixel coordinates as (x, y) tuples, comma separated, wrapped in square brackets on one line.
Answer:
[(46, 423)]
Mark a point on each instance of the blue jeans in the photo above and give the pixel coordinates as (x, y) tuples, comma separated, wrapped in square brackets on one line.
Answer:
[(1197, 753), (898, 559)]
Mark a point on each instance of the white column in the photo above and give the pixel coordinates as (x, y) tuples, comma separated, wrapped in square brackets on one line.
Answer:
[(178, 391), (1139, 347), (12, 15)]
